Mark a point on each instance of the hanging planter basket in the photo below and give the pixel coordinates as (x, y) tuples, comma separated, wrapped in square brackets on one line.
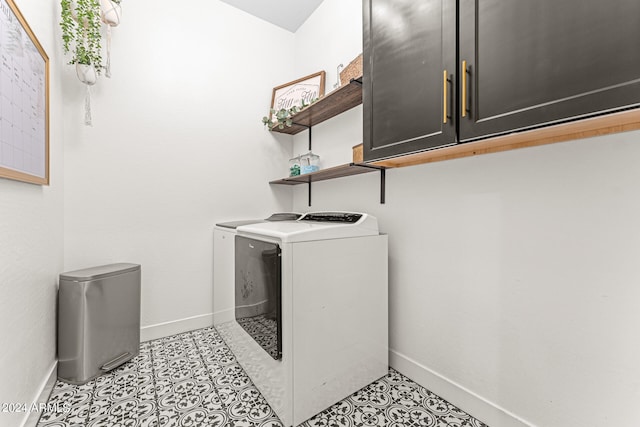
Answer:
[(81, 24), (87, 74), (81, 32), (110, 13)]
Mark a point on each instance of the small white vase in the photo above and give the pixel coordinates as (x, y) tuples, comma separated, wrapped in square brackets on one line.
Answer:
[(87, 74), (110, 12)]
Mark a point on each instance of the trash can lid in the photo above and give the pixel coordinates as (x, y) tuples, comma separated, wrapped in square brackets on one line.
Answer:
[(99, 272)]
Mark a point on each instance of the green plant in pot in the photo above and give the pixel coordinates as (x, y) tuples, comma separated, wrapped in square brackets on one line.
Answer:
[(81, 35)]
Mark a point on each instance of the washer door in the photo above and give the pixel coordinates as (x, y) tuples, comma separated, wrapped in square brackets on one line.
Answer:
[(258, 292)]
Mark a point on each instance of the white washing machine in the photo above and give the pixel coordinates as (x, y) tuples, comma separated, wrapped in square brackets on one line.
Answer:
[(223, 263), (311, 309)]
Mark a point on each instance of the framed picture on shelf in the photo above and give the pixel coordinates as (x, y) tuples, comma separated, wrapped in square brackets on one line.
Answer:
[(304, 90), (24, 100)]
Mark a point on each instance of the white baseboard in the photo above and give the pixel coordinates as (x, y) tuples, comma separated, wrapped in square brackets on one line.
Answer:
[(31, 419), (165, 329), (480, 408)]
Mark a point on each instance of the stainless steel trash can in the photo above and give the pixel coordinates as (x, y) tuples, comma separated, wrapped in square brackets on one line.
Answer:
[(98, 320)]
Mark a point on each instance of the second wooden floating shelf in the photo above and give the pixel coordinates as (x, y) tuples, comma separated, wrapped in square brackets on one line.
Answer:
[(347, 169), (328, 173)]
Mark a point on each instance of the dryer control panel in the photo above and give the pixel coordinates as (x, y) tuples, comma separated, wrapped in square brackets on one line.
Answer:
[(346, 217)]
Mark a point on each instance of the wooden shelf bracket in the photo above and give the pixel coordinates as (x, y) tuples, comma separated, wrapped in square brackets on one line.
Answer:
[(383, 178), (308, 128)]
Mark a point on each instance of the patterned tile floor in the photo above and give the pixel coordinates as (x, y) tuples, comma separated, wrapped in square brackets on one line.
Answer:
[(193, 380)]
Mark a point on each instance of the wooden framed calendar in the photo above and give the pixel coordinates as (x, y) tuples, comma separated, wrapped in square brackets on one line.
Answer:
[(24, 100)]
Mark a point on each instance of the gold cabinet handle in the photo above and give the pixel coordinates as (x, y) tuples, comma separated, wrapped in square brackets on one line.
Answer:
[(464, 88), (444, 97)]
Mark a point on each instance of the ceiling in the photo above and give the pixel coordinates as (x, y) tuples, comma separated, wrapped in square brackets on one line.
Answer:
[(287, 14)]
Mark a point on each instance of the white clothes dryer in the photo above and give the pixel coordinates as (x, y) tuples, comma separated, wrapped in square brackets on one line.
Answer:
[(311, 309)]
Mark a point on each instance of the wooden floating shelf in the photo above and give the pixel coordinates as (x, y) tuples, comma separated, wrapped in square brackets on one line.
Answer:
[(340, 100), (348, 169)]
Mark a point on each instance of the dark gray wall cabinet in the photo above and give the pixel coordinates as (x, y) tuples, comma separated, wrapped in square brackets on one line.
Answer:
[(518, 65), (409, 67)]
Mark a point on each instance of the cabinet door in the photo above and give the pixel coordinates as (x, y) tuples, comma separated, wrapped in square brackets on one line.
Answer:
[(409, 76), (532, 63)]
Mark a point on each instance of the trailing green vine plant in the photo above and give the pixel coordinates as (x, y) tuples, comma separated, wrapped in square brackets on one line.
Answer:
[(81, 32), (283, 117)]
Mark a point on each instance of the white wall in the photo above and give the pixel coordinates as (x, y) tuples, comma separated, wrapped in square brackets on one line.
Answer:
[(31, 250), (513, 276), (177, 144), (332, 35)]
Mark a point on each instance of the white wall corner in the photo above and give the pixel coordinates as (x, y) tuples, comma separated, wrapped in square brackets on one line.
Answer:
[(224, 316)]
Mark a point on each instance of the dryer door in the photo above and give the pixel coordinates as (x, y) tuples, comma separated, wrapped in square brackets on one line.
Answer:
[(258, 292)]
